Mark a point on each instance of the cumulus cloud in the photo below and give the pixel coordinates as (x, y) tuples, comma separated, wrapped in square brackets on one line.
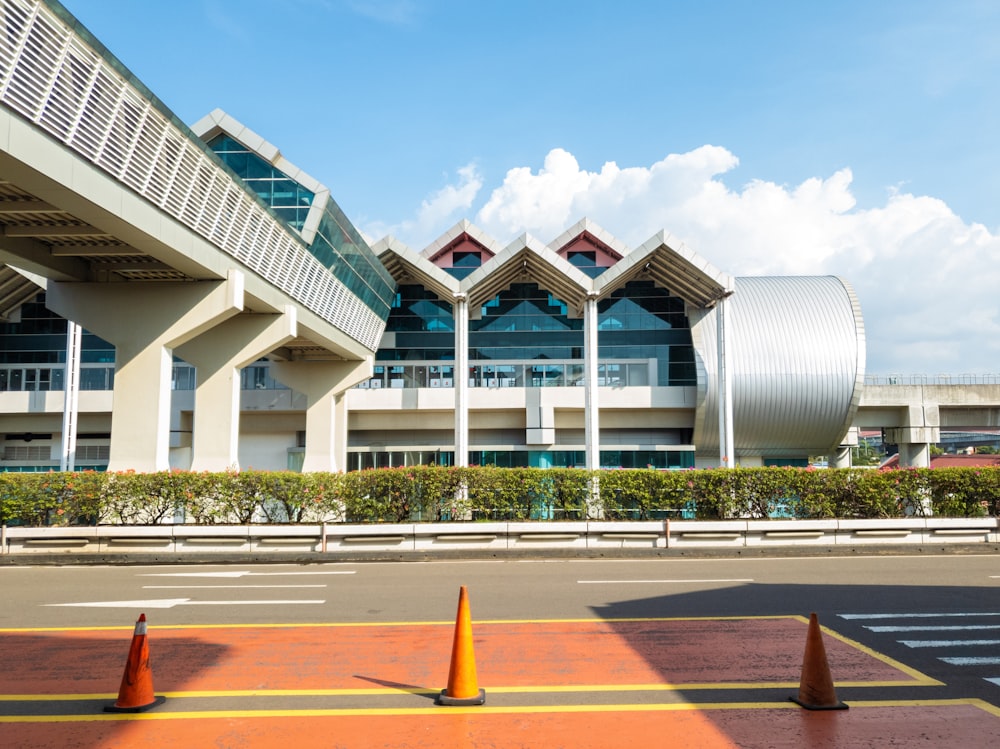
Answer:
[(926, 280), (437, 213)]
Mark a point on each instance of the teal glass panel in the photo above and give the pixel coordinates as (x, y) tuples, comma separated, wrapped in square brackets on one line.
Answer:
[(337, 245)]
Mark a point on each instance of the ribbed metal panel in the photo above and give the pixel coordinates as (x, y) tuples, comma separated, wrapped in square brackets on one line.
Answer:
[(797, 360), (63, 81)]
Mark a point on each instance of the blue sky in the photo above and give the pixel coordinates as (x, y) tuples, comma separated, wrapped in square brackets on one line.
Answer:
[(855, 138)]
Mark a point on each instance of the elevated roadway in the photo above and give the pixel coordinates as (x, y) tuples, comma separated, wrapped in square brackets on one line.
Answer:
[(140, 234)]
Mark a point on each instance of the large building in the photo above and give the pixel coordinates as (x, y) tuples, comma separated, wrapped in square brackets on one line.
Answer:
[(568, 351)]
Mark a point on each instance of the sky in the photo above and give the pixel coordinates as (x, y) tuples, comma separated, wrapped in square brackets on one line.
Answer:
[(856, 138)]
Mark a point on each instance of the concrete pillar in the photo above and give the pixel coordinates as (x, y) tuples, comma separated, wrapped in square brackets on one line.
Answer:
[(914, 444), (323, 383), (145, 322), (218, 355), (840, 458), (591, 410), (727, 449), (460, 310)]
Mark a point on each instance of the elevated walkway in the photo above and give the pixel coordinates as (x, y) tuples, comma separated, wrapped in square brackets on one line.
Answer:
[(145, 238)]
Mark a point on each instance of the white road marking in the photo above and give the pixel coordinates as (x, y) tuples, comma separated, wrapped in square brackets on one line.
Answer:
[(226, 587), (972, 661), (947, 643), (994, 681), (956, 628), (916, 616), (169, 603), (241, 573), (634, 582)]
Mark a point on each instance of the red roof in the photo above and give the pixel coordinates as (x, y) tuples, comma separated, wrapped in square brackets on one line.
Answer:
[(950, 461)]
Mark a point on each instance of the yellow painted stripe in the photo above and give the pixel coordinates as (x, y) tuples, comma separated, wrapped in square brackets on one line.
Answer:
[(292, 625), (386, 691), (920, 677), (481, 709)]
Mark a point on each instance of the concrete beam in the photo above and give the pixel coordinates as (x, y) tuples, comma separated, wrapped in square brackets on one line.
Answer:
[(145, 322), (218, 355)]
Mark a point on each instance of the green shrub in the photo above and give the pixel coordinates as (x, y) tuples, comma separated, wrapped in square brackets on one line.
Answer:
[(437, 494)]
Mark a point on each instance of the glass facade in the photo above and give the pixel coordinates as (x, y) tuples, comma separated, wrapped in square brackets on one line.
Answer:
[(33, 353), (525, 338), (530, 341), (337, 244), (643, 322), (357, 461)]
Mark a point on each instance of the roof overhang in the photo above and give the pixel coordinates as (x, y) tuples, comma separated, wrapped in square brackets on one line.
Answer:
[(407, 267), (528, 260), (666, 261)]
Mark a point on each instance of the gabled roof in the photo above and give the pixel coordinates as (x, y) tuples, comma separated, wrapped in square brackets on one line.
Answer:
[(665, 260), (460, 232), (589, 231), (406, 266), (527, 259)]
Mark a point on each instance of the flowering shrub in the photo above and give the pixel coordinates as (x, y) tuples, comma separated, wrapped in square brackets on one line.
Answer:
[(435, 494)]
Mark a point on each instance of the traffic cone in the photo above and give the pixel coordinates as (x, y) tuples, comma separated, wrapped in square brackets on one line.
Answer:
[(136, 691), (462, 686), (816, 690)]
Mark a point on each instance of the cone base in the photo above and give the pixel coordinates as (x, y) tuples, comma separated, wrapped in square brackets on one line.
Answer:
[(137, 709), (807, 706), (444, 699)]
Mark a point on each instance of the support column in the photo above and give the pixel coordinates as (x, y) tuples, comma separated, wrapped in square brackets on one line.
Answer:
[(841, 456), (324, 383), (914, 444), (145, 322), (71, 402), (591, 409), (460, 311), (218, 355), (727, 450)]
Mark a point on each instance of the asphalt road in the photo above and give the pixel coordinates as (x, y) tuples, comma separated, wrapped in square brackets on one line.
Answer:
[(935, 617)]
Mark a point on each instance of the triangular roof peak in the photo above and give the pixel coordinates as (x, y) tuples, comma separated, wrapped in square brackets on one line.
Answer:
[(672, 265), (217, 122), (527, 259), (463, 231), (590, 232), (407, 266)]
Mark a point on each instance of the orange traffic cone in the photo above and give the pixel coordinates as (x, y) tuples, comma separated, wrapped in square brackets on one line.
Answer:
[(136, 691), (462, 686), (816, 690)]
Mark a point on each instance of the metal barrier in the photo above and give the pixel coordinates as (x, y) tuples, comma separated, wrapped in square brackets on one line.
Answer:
[(520, 537)]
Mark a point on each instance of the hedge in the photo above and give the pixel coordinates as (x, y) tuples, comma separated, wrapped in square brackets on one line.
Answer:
[(441, 494)]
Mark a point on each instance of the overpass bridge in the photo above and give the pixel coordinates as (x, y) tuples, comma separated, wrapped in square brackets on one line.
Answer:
[(142, 235), (914, 410)]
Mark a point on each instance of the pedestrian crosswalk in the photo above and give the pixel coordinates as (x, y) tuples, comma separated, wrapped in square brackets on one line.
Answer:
[(962, 639)]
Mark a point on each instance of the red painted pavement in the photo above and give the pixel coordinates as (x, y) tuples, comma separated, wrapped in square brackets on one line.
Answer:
[(775, 728), (417, 655)]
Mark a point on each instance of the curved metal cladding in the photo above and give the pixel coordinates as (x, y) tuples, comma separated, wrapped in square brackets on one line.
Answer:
[(797, 360)]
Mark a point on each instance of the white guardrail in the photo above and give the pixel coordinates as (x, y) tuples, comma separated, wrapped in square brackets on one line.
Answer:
[(341, 540)]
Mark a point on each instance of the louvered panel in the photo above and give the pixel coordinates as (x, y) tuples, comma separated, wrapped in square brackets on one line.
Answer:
[(53, 78)]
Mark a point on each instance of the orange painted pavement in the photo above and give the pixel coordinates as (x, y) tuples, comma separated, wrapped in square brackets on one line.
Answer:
[(519, 654), (775, 727)]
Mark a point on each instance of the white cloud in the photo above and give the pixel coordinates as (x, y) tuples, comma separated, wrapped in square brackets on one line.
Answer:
[(439, 212), (926, 280)]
